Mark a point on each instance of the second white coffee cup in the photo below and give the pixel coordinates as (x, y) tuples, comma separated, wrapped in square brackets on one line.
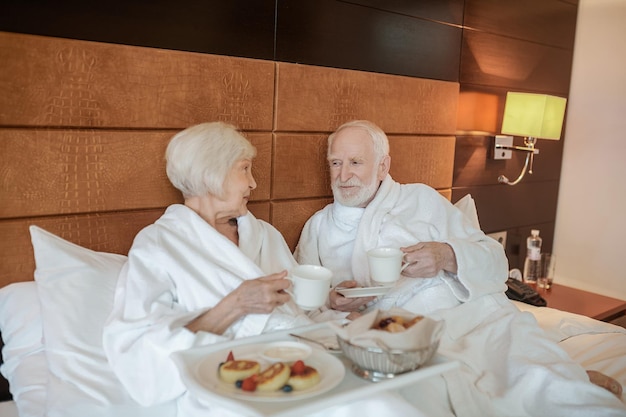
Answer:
[(310, 286), (385, 265)]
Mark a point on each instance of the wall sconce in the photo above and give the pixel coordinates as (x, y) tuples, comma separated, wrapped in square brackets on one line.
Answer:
[(533, 116)]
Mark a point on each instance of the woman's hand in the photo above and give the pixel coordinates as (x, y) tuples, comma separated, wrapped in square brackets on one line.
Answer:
[(261, 295), (341, 303), (426, 259), (256, 296)]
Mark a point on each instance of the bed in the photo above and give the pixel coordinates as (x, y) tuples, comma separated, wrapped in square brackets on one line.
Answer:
[(83, 127), (54, 361)]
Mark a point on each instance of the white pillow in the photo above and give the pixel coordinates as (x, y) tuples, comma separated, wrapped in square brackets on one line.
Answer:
[(25, 364), (468, 206), (76, 287)]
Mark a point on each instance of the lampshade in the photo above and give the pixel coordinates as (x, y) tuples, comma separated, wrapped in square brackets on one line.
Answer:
[(533, 115)]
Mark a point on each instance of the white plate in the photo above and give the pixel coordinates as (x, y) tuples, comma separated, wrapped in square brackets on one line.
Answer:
[(364, 292), (330, 368)]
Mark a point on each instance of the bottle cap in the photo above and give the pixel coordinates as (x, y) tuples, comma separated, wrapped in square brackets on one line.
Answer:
[(534, 232)]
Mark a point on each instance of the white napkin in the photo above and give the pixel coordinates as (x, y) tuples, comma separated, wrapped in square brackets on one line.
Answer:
[(359, 332)]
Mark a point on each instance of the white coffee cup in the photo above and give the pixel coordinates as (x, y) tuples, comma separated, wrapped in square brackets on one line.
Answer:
[(385, 264), (310, 286)]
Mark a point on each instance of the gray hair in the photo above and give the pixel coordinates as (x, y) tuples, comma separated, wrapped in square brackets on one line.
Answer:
[(379, 138), (199, 158)]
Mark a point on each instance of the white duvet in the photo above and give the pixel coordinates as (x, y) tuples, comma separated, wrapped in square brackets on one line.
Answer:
[(508, 365)]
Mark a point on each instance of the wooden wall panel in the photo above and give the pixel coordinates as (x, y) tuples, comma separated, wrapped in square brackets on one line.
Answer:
[(314, 99), (449, 11), (495, 60), (474, 164), (511, 46), (344, 35), (87, 84), (105, 232), (550, 22), (527, 203), (234, 27)]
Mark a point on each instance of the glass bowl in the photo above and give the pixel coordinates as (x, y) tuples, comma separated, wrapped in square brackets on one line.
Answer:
[(380, 363)]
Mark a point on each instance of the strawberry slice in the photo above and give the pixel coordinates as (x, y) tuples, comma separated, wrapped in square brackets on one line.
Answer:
[(249, 384), (298, 367), (230, 356)]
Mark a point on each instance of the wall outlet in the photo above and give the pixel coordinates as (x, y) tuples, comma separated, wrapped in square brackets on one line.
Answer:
[(499, 236)]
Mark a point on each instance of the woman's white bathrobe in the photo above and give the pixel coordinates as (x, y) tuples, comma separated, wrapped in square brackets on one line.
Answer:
[(509, 367), (178, 268)]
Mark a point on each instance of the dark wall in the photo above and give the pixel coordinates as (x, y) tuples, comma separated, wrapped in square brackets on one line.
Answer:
[(510, 45), (488, 46)]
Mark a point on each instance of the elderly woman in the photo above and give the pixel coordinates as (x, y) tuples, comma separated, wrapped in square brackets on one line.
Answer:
[(206, 271)]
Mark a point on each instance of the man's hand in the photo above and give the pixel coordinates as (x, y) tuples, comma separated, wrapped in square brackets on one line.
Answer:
[(426, 259), (341, 303)]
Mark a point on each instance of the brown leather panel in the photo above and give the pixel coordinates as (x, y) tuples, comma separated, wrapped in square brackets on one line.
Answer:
[(60, 82), (446, 193), (425, 159), (85, 127), (44, 172), (301, 168), (260, 210), (289, 216), (314, 99), (107, 232), (262, 164), (48, 172)]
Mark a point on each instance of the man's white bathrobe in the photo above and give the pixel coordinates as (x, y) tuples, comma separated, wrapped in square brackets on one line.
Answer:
[(178, 268), (509, 367)]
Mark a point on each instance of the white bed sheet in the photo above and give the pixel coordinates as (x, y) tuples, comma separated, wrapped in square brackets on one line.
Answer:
[(595, 345)]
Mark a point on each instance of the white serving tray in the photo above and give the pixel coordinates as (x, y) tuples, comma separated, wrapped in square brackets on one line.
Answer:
[(349, 389)]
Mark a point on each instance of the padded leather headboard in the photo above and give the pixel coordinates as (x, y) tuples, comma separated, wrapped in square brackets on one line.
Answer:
[(84, 125)]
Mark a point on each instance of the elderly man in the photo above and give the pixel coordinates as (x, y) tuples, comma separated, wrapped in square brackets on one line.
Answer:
[(456, 274)]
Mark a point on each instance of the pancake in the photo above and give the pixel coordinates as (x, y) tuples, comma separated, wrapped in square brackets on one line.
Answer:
[(273, 378), (233, 371), (308, 378)]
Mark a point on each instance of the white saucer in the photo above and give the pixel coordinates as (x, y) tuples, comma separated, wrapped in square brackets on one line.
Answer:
[(364, 291)]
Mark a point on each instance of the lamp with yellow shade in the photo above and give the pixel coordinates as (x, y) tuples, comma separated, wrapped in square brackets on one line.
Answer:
[(533, 116)]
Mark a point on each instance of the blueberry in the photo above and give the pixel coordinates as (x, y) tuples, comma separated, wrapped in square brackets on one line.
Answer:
[(287, 388), (238, 383)]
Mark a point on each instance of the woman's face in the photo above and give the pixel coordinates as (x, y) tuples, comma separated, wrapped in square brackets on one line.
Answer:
[(237, 187)]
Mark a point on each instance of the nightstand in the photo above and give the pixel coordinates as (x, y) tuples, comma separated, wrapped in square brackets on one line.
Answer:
[(588, 304)]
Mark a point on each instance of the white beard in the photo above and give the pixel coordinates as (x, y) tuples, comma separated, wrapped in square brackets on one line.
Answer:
[(357, 198)]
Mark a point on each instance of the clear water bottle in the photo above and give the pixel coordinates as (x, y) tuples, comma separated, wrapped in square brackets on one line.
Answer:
[(533, 257)]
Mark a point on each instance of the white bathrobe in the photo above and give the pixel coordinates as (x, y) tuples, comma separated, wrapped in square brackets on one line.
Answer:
[(509, 367), (178, 268)]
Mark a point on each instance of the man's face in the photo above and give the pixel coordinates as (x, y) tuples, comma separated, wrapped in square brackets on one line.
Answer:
[(355, 174)]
